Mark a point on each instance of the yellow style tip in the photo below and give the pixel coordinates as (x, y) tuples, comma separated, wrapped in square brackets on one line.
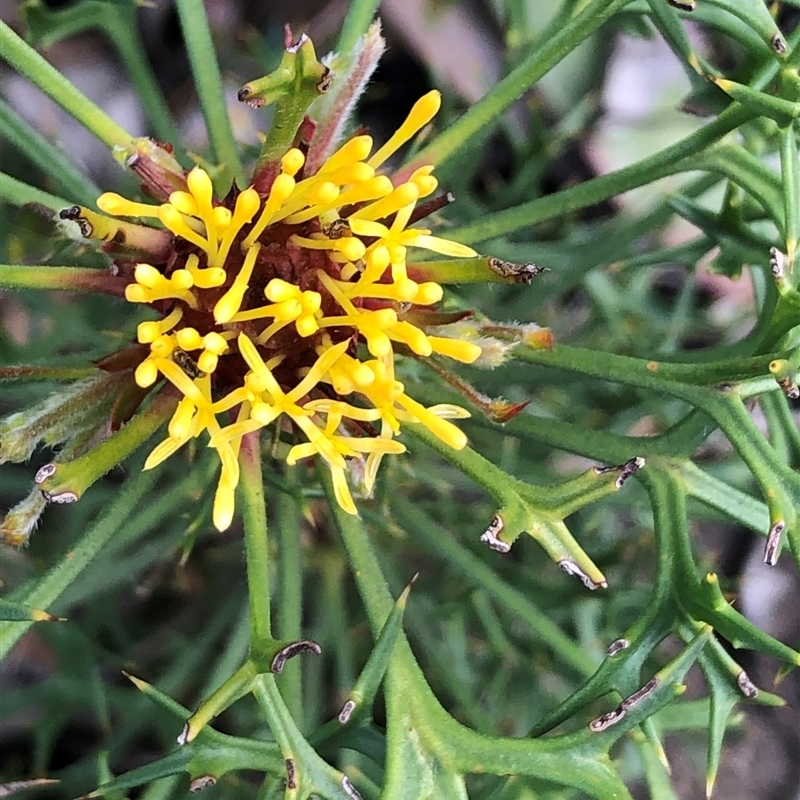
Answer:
[(200, 185)]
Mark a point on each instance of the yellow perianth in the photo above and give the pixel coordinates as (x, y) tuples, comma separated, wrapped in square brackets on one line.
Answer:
[(357, 220)]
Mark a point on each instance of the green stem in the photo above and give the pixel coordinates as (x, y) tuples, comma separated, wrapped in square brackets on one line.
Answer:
[(661, 164), (417, 524), (226, 695), (676, 565), (69, 480), (779, 483), (46, 373), (657, 375), (770, 403), (254, 516), (71, 279), (358, 19), (790, 172), (671, 160), (117, 21), (49, 588), (49, 158), (203, 60), (30, 64), (486, 112), (290, 586), (312, 775), (726, 499), (412, 707), (123, 31), (504, 488), (363, 563), (21, 194), (784, 418)]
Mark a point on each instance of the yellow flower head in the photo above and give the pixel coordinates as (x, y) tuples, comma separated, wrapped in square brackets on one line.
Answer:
[(289, 306)]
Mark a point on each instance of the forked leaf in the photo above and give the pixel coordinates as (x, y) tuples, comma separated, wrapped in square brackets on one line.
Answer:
[(728, 686), (656, 775), (754, 13), (747, 171), (359, 701), (655, 694), (707, 602), (784, 112), (654, 744), (45, 27), (306, 772), (735, 239), (206, 759), (620, 671)]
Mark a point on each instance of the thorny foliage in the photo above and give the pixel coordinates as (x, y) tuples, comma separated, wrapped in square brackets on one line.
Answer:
[(509, 690)]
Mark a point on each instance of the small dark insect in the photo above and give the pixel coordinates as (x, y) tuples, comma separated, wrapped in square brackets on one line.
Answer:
[(337, 229), (186, 363), (519, 273)]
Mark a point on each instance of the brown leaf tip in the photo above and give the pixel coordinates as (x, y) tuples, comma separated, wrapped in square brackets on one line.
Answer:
[(571, 568), (746, 686), (617, 646), (777, 262), (203, 782), (350, 790), (771, 549), (290, 651), (347, 711), (491, 535), (45, 472)]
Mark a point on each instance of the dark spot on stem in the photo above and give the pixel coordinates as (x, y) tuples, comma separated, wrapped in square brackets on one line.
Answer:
[(337, 229), (325, 81), (629, 702), (291, 783), (607, 720), (186, 363), (75, 214)]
